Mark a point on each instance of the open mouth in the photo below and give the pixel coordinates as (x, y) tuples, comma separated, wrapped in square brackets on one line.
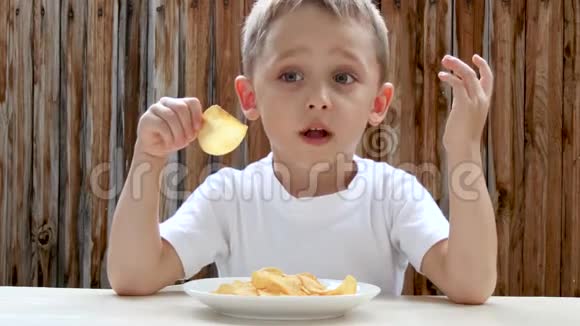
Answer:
[(316, 133)]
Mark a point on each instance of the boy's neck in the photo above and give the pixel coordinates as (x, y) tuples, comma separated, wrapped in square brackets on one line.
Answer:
[(317, 179)]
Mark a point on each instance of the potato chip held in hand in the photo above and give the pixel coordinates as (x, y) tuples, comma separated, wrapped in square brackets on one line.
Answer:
[(221, 132)]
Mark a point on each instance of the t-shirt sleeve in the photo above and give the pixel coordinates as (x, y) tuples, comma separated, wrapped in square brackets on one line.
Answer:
[(197, 230), (417, 221)]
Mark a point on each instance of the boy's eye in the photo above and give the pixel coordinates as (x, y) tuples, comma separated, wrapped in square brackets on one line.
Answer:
[(291, 77), (344, 78)]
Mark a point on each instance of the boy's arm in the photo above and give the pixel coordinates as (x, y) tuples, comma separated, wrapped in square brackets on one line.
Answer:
[(465, 266), (139, 261)]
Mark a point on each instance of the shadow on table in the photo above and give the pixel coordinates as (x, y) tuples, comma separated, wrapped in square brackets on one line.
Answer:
[(358, 316), (440, 300), (210, 316)]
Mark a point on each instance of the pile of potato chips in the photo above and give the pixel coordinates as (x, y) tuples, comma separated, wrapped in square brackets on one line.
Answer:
[(272, 281), (221, 132)]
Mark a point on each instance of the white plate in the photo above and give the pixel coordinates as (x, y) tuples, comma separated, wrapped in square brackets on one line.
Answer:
[(279, 307)]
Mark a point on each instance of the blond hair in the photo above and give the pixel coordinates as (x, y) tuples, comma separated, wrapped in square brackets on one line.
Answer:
[(265, 12)]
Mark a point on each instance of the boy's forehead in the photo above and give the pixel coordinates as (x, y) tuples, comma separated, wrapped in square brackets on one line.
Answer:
[(310, 28)]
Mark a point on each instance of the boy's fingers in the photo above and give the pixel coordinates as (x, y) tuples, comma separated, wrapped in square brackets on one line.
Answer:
[(486, 74), (164, 131), (195, 111), (172, 121), (163, 126), (457, 84), (179, 107), (465, 72)]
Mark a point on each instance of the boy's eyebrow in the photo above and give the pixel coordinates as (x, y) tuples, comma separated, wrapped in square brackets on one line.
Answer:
[(291, 52), (346, 53), (338, 49)]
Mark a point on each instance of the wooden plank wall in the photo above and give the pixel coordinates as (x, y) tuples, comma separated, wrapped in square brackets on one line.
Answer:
[(45, 165), (570, 274), (19, 268), (72, 211), (543, 149), (507, 145), (75, 76), (4, 118)]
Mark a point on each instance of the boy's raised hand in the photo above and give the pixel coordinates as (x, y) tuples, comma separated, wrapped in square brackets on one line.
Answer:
[(168, 126), (472, 97)]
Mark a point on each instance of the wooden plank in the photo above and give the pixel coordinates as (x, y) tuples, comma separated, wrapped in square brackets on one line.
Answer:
[(507, 134), (5, 10), (554, 84), (99, 98), (73, 245), (4, 120), (44, 222), (404, 37), (571, 141), (163, 63), (518, 218), (196, 39), (228, 22), (20, 142), (543, 150), (132, 75)]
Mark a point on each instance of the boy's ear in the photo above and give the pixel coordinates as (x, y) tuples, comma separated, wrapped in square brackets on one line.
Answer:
[(247, 97), (381, 104)]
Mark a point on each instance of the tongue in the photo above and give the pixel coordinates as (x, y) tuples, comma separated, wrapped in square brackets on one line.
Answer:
[(316, 133)]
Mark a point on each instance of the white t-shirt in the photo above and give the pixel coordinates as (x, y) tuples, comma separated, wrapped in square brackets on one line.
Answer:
[(244, 220)]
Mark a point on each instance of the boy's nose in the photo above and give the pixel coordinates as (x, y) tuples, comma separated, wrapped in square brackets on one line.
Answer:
[(323, 106), (319, 99)]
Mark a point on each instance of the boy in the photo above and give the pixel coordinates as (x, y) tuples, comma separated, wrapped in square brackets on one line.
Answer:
[(315, 75)]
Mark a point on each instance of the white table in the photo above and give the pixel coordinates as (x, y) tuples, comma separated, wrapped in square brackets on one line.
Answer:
[(53, 306)]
